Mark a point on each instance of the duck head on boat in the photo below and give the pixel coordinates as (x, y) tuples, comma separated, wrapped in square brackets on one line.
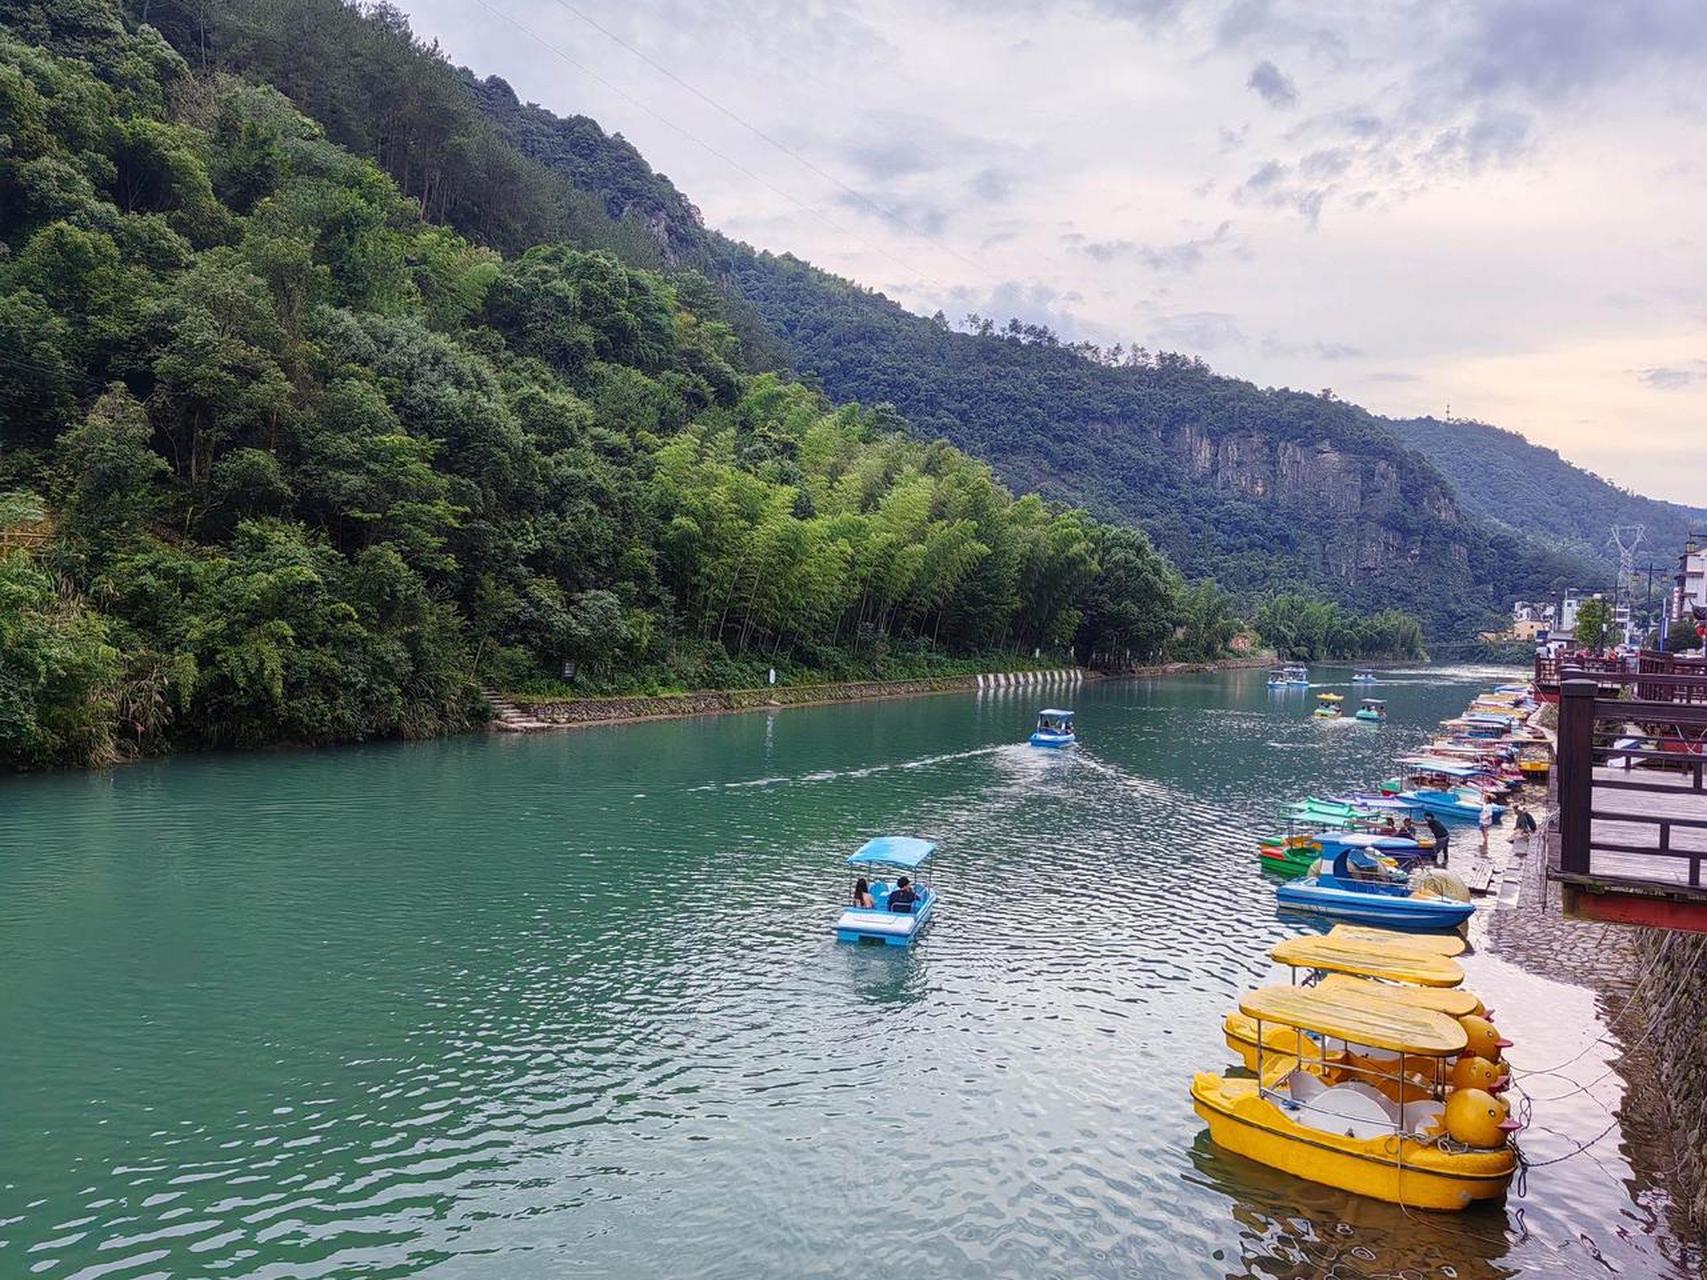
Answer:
[(1054, 729), (1414, 1138), (898, 909)]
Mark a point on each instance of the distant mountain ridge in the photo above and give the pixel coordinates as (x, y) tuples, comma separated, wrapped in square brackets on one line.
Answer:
[(1519, 485)]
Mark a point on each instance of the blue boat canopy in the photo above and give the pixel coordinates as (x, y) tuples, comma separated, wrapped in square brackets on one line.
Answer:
[(1057, 714), (1425, 764), (893, 851)]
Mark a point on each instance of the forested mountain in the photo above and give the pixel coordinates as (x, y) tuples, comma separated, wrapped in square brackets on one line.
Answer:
[(283, 460), (1505, 479), (1261, 488), (1264, 489)]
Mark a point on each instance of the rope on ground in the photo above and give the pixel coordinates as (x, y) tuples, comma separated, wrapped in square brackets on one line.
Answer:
[(1654, 1022)]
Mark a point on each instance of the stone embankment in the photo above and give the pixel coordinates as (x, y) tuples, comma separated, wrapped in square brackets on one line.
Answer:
[(1673, 968), (569, 712), (1652, 985), (518, 712)]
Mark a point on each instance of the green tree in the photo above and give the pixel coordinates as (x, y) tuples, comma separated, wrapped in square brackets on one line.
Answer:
[(115, 485), (1594, 623), (58, 673)]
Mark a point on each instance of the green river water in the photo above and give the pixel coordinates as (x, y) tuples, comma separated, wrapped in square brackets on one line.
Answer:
[(568, 1005)]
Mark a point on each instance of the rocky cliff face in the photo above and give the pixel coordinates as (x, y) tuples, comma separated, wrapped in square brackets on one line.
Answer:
[(599, 163), (1347, 499), (1318, 475)]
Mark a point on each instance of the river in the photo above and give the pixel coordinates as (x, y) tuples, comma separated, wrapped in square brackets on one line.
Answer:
[(567, 1004)]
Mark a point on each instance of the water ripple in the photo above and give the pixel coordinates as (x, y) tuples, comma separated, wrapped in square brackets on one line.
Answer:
[(477, 1009)]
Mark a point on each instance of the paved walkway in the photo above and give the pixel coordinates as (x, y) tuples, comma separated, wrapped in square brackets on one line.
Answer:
[(1529, 928)]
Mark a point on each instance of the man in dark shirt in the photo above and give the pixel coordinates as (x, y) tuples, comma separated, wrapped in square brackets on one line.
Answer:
[(903, 898), (1442, 838)]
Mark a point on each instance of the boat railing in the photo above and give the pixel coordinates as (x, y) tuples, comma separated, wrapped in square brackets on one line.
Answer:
[(1367, 1069)]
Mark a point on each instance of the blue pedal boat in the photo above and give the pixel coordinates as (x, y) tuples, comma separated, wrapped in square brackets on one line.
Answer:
[(1407, 852), (897, 926), (1054, 729), (1384, 898)]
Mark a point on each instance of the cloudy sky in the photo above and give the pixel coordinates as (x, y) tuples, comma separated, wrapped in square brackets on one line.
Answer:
[(1496, 205)]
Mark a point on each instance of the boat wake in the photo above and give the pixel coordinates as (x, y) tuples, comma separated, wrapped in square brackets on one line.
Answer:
[(864, 771)]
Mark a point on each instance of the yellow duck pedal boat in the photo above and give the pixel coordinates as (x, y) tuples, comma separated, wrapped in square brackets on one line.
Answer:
[(1454, 1003), (1367, 935), (1423, 1154), (1330, 954)]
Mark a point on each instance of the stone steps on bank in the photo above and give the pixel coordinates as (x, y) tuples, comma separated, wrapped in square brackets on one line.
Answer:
[(508, 718)]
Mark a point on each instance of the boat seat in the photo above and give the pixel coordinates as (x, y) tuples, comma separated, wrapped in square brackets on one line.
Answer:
[(874, 924)]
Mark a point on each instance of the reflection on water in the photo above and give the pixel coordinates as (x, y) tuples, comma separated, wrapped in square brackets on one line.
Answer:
[(569, 1004), (1291, 1230)]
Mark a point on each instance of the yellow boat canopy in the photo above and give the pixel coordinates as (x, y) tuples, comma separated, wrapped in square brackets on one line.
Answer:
[(1372, 1021), (1457, 1003), (1435, 944), (1332, 955)]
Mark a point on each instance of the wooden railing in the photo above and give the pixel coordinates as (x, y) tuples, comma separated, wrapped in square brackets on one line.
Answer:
[(1548, 670), (1677, 680), (1666, 677), (1665, 798)]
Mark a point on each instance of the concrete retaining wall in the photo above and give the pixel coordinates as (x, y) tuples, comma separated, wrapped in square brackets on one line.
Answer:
[(597, 710), (568, 712)]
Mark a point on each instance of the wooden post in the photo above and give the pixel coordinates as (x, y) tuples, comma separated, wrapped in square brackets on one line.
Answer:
[(1576, 769)]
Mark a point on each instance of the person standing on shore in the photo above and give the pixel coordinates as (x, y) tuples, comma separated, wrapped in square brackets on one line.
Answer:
[(1485, 822), (1442, 837), (1524, 821)]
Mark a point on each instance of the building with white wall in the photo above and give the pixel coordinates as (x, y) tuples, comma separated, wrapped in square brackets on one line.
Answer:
[(1689, 584)]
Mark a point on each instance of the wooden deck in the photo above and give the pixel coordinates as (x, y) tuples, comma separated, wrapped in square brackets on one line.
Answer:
[(1668, 797), (1629, 839)]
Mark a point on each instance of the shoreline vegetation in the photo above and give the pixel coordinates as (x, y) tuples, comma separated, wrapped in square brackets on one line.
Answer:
[(551, 713)]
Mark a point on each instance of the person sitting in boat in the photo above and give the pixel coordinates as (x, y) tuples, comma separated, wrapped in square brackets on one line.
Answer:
[(862, 893), (1408, 829), (903, 898)]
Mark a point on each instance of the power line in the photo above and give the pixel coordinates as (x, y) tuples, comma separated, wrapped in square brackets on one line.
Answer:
[(757, 132), (813, 210)]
